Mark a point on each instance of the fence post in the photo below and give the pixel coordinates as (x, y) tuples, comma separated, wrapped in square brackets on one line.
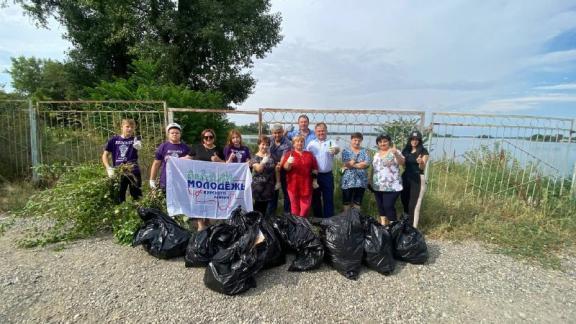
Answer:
[(33, 140)]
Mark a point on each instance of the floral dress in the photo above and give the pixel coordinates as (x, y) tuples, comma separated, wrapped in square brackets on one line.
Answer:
[(386, 175), (355, 178)]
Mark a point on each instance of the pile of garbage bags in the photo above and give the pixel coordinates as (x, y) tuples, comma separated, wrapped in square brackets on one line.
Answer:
[(235, 251)]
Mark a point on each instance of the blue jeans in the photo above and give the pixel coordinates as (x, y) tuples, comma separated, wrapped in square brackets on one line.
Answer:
[(323, 197)]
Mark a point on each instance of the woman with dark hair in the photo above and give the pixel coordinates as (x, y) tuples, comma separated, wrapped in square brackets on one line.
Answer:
[(385, 180), (354, 172), (264, 175), (413, 177), (209, 152)]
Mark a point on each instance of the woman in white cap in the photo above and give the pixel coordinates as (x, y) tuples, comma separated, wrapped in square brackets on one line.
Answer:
[(172, 147)]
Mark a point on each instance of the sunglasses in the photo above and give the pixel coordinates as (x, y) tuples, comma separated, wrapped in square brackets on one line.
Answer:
[(209, 137)]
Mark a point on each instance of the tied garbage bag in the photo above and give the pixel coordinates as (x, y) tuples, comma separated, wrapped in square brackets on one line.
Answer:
[(160, 235), (377, 247), (206, 243), (297, 235), (408, 243), (232, 269), (343, 237), (270, 252)]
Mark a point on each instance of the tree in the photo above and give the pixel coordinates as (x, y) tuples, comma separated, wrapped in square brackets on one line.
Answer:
[(254, 128), (205, 45), (44, 79), (142, 84)]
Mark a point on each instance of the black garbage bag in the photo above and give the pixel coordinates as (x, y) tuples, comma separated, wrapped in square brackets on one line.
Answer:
[(271, 250), (160, 235), (408, 243), (297, 235), (232, 269), (377, 247), (203, 245), (343, 237)]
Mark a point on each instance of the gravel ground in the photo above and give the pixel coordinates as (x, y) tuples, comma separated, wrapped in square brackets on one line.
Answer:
[(97, 280)]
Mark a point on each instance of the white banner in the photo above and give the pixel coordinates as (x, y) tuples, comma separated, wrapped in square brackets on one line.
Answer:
[(202, 189)]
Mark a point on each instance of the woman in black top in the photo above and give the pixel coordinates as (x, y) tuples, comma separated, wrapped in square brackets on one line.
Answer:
[(206, 151), (264, 175), (414, 184)]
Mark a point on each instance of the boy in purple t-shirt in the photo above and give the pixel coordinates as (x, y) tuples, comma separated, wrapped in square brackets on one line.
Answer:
[(124, 150), (172, 147)]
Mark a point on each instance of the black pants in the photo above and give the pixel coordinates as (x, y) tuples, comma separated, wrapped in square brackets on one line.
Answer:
[(274, 202), (261, 206), (132, 181), (385, 200), (323, 197), (409, 195)]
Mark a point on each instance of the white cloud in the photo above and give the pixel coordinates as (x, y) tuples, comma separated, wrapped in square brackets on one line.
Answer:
[(446, 55), (524, 103), (562, 86)]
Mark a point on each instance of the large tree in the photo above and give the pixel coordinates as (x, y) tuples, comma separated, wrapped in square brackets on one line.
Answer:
[(206, 45)]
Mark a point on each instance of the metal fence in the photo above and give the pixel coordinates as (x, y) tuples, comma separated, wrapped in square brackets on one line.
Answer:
[(531, 158), (15, 139), (342, 122), (491, 156)]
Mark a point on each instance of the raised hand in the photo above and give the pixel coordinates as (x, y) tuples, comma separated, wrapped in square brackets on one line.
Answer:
[(419, 159), (137, 143), (215, 158)]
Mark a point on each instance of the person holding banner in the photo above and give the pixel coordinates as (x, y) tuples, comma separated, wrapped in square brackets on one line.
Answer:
[(264, 177), (235, 152), (209, 152), (172, 147), (301, 172)]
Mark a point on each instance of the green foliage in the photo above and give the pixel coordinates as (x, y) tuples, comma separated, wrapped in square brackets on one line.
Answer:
[(45, 79), (529, 219), (254, 128), (143, 84), (204, 45), (82, 204), (400, 128)]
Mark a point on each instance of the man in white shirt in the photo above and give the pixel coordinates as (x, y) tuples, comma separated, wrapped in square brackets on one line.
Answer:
[(324, 150)]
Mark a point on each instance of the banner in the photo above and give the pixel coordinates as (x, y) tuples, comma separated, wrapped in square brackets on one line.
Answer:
[(203, 189)]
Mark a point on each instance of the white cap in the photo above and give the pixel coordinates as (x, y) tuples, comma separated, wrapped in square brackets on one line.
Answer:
[(173, 125)]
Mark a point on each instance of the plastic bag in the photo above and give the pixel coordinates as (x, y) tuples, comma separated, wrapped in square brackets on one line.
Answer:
[(296, 234), (408, 243), (232, 269), (160, 235), (377, 247), (343, 237), (205, 244)]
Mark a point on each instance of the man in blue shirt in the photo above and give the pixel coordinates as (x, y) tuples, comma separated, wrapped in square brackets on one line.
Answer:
[(279, 144), (303, 130), (324, 150)]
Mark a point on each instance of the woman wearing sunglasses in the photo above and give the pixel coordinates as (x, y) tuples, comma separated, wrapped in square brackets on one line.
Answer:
[(206, 151)]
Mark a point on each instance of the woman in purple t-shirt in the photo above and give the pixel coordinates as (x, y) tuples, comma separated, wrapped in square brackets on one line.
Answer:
[(235, 152), (124, 151), (172, 147)]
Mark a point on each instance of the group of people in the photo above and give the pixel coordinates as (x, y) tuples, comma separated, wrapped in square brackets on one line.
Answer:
[(299, 163)]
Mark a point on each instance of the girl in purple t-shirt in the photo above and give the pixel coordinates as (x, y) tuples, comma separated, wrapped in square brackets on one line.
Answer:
[(235, 152), (124, 150), (172, 147)]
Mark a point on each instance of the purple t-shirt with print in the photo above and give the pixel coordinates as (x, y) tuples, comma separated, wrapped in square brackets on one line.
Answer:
[(165, 150), (242, 153), (123, 151)]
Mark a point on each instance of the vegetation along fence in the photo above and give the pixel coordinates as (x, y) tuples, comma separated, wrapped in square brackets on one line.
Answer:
[(484, 156)]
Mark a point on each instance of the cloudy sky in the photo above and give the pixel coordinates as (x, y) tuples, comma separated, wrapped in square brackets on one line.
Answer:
[(491, 56)]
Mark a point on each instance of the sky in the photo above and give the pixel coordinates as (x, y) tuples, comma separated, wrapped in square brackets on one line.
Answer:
[(491, 56)]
